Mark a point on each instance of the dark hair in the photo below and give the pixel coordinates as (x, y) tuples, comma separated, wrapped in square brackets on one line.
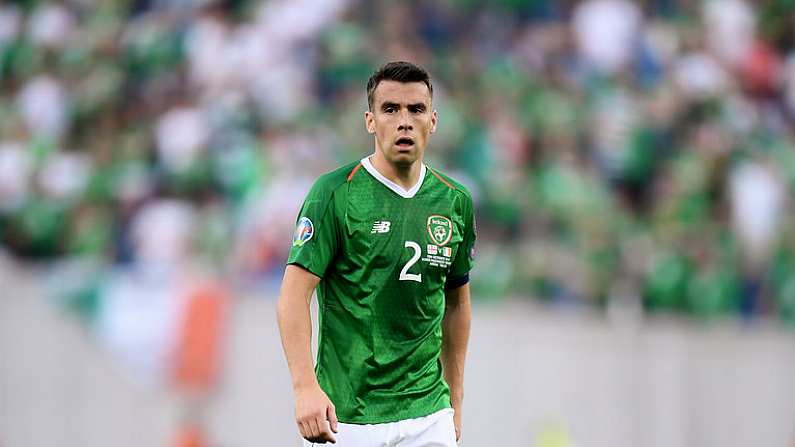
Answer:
[(399, 71)]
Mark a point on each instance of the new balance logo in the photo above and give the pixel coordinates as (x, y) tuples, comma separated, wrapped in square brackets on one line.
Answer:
[(381, 226)]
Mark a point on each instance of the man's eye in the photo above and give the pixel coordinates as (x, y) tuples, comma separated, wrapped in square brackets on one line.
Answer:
[(389, 109)]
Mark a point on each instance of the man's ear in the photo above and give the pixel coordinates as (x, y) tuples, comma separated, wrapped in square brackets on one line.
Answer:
[(369, 122), (434, 120)]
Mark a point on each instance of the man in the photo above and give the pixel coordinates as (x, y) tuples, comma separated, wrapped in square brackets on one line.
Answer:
[(388, 242)]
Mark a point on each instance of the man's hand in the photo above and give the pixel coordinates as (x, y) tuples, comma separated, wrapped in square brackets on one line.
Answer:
[(315, 415), (457, 423)]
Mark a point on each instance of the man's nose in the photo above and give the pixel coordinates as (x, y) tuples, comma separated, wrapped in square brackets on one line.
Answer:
[(405, 122)]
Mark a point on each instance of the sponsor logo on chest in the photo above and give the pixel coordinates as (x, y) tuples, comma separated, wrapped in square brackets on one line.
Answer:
[(381, 226)]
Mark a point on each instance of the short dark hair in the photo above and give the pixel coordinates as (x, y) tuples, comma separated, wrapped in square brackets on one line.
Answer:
[(399, 71)]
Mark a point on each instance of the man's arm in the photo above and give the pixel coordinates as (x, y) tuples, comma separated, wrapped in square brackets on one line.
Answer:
[(314, 412), (455, 336)]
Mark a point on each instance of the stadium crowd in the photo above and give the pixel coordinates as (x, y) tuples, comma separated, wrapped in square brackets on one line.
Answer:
[(618, 151)]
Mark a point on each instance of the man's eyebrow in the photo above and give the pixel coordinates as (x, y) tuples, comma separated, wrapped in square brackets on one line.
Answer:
[(386, 104), (417, 104)]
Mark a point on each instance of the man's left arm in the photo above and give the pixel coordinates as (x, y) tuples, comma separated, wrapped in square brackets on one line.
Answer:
[(455, 337)]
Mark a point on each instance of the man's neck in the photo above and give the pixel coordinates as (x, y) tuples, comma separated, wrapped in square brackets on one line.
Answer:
[(406, 177)]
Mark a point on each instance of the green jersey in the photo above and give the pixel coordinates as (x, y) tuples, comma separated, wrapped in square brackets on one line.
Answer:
[(384, 256)]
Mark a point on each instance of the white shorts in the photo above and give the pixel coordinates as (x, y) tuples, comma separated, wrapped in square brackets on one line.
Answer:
[(434, 430)]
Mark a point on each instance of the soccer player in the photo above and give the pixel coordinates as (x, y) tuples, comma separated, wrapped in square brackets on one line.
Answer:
[(388, 242)]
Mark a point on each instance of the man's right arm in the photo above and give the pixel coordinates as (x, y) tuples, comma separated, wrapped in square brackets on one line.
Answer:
[(314, 411)]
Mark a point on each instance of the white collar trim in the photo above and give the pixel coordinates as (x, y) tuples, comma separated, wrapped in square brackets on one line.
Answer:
[(406, 194)]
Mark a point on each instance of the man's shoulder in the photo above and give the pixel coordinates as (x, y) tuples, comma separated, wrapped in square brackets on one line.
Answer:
[(450, 183), (331, 181)]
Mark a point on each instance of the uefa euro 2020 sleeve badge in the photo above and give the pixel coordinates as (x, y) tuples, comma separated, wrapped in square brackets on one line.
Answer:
[(303, 232)]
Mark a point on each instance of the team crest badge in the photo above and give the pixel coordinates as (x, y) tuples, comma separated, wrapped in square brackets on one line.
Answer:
[(440, 229), (303, 232)]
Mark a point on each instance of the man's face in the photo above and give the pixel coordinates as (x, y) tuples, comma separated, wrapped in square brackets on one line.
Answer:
[(401, 120)]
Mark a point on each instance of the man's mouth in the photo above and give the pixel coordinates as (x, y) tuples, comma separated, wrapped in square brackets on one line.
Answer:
[(404, 142)]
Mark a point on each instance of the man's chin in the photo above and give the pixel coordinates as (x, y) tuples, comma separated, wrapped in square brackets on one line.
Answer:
[(404, 160)]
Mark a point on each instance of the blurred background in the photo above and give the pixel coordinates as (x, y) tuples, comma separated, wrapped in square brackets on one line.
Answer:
[(632, 165)]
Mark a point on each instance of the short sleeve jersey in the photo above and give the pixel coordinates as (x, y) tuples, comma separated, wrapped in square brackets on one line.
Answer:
[(384, 256)]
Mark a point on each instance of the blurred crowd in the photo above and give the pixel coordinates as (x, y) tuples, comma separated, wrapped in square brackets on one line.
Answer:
[(618, 151)]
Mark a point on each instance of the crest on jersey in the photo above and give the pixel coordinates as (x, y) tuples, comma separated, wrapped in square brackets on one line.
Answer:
[(440, 229), (303, 232)]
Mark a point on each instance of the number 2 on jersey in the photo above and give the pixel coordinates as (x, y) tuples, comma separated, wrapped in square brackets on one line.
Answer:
[(404, 275)]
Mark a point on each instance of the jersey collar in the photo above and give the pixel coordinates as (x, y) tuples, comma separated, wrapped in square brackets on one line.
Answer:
[(397, 189)]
